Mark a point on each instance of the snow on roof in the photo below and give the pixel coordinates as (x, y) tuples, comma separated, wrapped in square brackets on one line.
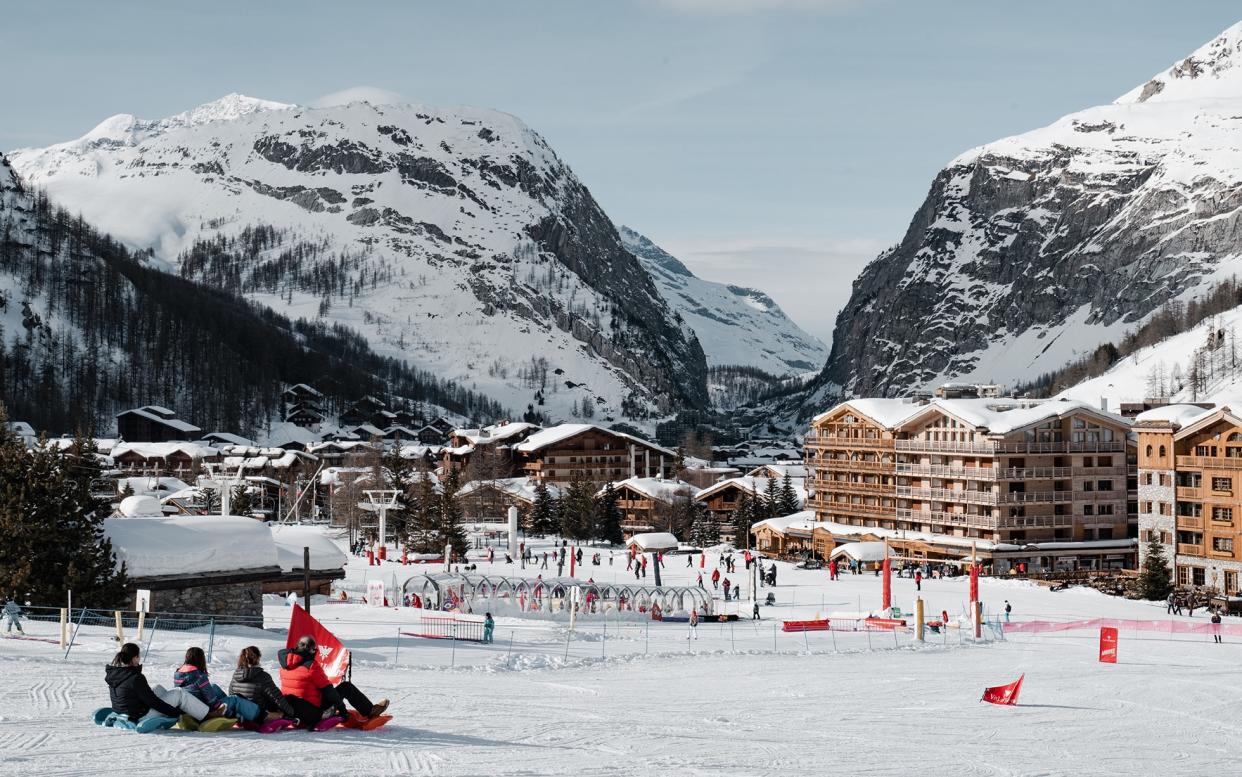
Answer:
[(661, 489), (284, 433), (153, 413), (555, 434), (794, 469), (520, 488), (996, 415), (494, 433), (140, 506), (161, 450), (186, 546), (885, 412), (1176, 414), (226, 437), (656, 540), (157, 486), (290, 540), (862, 551), (756, 486), (303, 388)]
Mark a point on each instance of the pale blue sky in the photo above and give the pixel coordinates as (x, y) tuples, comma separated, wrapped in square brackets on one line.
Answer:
[(776, 143)]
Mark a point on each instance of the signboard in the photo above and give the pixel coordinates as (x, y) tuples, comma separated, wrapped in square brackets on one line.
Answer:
[(896, 612), (375, 593), (1108, 645), (142, 600)]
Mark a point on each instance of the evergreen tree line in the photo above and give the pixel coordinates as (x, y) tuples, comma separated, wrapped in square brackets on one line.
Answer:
[(1173, 318), (110, 333), (577, 514), (52, 525)]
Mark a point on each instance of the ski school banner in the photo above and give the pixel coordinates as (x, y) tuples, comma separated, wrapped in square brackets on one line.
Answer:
[(333, 656), (1108, 645), (1122, 624)]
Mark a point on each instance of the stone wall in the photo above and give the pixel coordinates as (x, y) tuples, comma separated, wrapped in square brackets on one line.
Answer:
[(220, 600), (1153, 520)]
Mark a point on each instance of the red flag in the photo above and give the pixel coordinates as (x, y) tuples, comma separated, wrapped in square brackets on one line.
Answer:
[(333, 656), (1108, 644), (1003, 694), (887, 600), (974, 582), (702, 560)]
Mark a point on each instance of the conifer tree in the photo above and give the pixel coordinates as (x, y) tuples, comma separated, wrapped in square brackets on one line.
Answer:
[(578, 508), (608, 519), (452, 530), (240, 503), (788, 501), (1155, 582), (743, 519), (543, 520), (52, 526), (423, 527), (772, 498), (704, 530)]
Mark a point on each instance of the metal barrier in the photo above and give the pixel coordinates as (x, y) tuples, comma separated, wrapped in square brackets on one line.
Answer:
[(436, 627)]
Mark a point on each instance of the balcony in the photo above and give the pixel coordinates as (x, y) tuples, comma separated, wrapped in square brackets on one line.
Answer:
[(949, 519), (1185, 549), (850, 486), (874, 512), (1187, 522), (1011, 447), (943, 471), (1189, 493), (1036, 522), (1207, 462), (843, 441), (836, 465), (948, 495), (1037, 497)]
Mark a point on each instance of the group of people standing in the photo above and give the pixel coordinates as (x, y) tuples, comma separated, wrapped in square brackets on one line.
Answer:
[(304, 696)]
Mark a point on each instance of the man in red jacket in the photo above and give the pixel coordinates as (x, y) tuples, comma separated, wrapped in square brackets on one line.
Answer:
[(302, 680)]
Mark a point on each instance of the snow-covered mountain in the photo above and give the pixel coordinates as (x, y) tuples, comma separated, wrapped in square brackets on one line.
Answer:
[(88, 329), (735, 325), (1034, 249), (453, 239)]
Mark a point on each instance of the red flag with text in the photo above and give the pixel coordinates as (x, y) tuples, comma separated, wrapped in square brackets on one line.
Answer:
[(1108, 644), (1003, 694), (974, 582), (333, 656)]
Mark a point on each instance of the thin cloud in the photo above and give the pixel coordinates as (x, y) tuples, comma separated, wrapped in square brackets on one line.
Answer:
[(368, 94)]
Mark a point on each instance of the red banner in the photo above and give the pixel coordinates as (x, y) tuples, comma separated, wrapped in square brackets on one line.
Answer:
[(1003, 694), (886, 600), (1108, 644), (333, 656), (974, 582)]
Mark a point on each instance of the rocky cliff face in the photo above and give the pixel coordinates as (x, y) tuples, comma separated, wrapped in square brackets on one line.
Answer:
[(1034, 249), (455, 240)]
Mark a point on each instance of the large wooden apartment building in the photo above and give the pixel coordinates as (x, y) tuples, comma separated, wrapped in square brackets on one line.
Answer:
[(1023, 475), (1190, 492), (597, 454)]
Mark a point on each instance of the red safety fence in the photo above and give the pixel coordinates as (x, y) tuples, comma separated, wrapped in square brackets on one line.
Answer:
[(438, 627), (1123, 624), (885, 623), (820, 625)]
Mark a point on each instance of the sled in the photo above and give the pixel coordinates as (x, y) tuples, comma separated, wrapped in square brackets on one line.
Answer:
[(328, 723), (109, 718), (268, 727), (209, 726), (355, 720)]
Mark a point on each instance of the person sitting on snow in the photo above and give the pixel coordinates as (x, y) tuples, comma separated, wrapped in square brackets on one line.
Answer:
[(192, 676), (131, 695), (251, 681), (306, 686)]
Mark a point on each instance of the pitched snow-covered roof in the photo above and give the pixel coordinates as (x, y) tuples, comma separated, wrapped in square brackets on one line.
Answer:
[(226, 438), (560, 432), (494, 433), (794, 469), (160, 450), (188, 546), (996, 415), (1223, 413), (888, 413), (519, 488), (1176, 415), (661, 489), (158, 486), (862, 551), (656, 540), (162, 415), (756, 486)]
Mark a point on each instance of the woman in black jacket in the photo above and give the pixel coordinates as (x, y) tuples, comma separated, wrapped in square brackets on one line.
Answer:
[(133, 697), (251, 681)]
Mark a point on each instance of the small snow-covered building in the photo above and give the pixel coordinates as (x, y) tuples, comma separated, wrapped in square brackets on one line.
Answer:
[(647, 542), (178, 459), (488, 501), (211, 565), (327, 560), (649, 504), (152, 423)]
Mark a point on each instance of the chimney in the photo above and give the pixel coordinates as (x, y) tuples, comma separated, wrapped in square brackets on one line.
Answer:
[(1104, 404)]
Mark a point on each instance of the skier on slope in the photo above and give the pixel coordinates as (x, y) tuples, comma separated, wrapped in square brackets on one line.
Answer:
[(13, 616)]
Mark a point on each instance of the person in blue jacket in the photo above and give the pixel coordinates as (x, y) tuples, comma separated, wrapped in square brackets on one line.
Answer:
[(192, 676)]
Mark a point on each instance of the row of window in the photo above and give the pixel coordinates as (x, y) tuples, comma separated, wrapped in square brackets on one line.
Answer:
[(1197, 576)]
